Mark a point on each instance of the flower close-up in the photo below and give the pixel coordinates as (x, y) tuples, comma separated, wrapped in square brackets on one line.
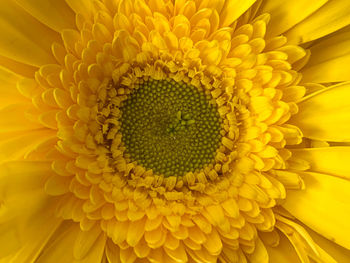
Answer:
[(174, 131)]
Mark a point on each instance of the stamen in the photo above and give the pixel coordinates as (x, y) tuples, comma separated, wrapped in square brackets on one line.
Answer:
[(170, 127)]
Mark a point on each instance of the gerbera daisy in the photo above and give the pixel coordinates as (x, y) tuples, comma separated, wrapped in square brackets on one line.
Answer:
[(174, 131)]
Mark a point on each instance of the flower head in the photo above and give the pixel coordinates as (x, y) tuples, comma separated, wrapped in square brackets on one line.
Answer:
[(174, 131)]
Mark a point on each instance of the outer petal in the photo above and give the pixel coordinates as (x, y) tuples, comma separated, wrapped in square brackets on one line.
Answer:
[(18, 67), (324, 206), (331, 17), (60, 245), (8, 90), (285, 14), (23, 38), (25, 210), (82, 7), (325, 115), (340, 254), (13, 119), (328, 160), (284, 252), (55, 14), (232, 10), (332, 53)]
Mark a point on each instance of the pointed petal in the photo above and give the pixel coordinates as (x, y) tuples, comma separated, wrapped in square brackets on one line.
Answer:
[(329, 18), (96, 253), (81, 7), (18, 68), (19, 146), (35, 235), (339, 253), (25, 40), (330, 47), (285, 14), (260, 254), (60, 245), (328, 160), (323, 206), (85, 241), (8, 91), (324, 115), (333, 53), (284, 252), (232, 10), (55, 14), (13, 118), (321, 73)]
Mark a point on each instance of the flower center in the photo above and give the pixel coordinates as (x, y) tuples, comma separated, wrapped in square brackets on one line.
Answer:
[(170, 127)]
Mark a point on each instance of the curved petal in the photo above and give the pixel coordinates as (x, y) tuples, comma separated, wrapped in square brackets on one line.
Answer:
[(18, 68), (21, 195), (321, 73), (23, 38), (8, 91), (232, 10), (330, 47), (330, 53), (81, 7), (339, 253), (324, 206), (64, 238), (55, 14), (328, 160), (17, 147), (324, 115), (285, 14), (13, 118), (36, 235), (284, 252), (331, 17)]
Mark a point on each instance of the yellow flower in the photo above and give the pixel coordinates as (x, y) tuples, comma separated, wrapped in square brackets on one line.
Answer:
[(174, 131)]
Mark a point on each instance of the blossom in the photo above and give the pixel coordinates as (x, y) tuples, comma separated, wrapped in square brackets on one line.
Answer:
[(174, 131)]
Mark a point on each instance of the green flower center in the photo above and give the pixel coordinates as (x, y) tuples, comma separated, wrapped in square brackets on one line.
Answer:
[(170, 127)]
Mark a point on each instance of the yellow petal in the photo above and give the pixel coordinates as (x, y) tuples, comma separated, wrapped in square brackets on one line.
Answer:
[(85, 241), (21, 176), (285, 14), (321, 73), (323, 206), (178, 255), (329, 18), (232, 10), (324, 115), (213, 243), (21, 145), (81, 7), (35, 236), (112, 252), (57, 185), (21, 196), (9, 239), (61, 244), (13, 118), (328, 160), (8, 91), (304, 245), (55, 14), (330, 47), (17, 67), (339, 253), (23, 38), (96, 253), (135, 232), (260, 254)]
